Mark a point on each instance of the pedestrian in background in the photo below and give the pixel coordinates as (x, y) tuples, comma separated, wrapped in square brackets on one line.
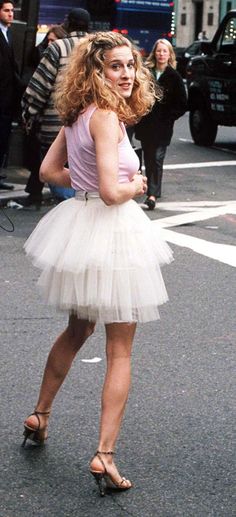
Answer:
[(54, 32), (11, 87), (202, 36), (99, 253), (38, 108), (155, 130), (32, 144)]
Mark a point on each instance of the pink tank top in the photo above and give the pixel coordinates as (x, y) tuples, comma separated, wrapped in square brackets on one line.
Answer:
[(82, 156)]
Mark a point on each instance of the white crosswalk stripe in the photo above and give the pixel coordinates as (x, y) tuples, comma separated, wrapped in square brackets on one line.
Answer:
[(197, 211)]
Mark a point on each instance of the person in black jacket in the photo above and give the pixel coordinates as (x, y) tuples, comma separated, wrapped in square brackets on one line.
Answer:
[(156, 129), (10, 85)]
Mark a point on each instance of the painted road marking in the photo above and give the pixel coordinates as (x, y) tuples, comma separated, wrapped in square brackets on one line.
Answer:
[(192, 217), (93, 360), (200, 165), (188, 206), (225, 253)]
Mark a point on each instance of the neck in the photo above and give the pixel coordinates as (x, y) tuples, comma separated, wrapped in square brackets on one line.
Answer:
[(5, 25), (160, 67)]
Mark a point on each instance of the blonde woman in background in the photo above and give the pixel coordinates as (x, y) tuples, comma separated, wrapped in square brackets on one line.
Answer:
[(155, 130)]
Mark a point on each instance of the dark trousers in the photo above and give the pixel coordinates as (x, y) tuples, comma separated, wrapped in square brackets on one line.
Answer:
[(5, 131), (153, 161), (32, 161)]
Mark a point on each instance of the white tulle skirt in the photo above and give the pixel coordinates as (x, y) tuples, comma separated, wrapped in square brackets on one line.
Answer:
[(100, 262)]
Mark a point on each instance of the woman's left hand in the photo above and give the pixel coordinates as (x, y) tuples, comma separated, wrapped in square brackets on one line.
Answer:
[(140, 183)]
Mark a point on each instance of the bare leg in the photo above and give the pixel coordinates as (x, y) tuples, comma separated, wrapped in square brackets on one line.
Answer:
[(115, 392), (58, 364)]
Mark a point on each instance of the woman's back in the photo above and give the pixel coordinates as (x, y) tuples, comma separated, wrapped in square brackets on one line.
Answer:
[(82, 154)]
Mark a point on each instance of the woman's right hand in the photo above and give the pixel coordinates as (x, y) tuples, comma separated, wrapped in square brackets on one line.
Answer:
[(140, 183)]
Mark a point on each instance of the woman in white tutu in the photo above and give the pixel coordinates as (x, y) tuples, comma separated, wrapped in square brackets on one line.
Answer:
[(99, 255)]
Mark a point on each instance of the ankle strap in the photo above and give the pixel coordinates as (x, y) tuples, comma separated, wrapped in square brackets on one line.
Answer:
[(106, 452), (41, 412)]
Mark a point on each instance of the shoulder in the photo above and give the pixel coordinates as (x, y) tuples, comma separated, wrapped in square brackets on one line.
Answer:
[(64, 46), (104, 120), (52, 51), (171, 77), (172, 72), (105, 116), (58, 49)]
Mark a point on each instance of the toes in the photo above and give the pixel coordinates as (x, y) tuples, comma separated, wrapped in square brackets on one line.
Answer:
[(125, 483), (32, 422)]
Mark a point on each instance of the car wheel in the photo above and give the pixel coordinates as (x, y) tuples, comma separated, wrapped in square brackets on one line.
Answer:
[(202, 128)]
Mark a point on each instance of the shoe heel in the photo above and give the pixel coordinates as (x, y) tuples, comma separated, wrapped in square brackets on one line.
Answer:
[(38, 435), (98, 476), (27, 433)]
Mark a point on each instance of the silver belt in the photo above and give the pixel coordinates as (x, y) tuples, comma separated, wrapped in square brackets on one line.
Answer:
[(81, 194)]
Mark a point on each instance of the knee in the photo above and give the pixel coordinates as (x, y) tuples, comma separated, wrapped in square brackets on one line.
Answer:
[(89, 329), (79, 331)]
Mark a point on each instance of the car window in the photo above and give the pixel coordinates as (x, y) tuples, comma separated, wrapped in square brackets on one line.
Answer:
[(193, 49), (227, 41)]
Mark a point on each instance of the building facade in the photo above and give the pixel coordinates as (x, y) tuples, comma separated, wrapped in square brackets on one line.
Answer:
[(195, 18)]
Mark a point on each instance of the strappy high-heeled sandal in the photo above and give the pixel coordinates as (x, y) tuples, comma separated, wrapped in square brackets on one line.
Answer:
[(37, 435), (105, 480)]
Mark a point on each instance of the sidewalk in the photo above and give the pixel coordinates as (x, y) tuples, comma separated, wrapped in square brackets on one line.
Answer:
[(17, 176)]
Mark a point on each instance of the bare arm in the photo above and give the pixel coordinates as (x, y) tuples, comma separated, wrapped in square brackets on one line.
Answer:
[(53, 168), (106, 132)]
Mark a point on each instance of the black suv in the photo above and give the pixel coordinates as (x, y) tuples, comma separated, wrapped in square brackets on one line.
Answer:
[(211, 84), (183, 56)]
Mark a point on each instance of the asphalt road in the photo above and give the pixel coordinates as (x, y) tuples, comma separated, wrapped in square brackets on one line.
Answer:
[(178, 438)]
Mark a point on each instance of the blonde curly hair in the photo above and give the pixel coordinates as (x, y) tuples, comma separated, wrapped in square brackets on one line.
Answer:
[(82, 82), (151, 59)]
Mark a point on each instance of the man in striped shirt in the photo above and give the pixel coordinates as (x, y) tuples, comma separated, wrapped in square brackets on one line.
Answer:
[(38, 100)]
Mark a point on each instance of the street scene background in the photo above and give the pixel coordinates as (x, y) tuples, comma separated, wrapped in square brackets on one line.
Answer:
[(177, 442)]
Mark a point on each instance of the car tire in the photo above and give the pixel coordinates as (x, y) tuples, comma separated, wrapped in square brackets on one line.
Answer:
[(202, 128)]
